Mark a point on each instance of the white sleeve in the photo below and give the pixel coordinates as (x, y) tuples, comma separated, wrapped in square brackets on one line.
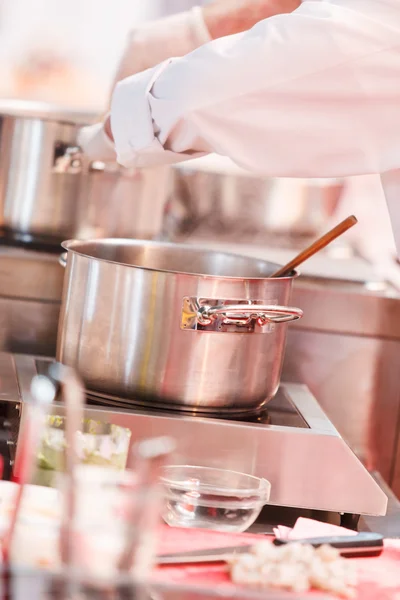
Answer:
[(311, 93), (147, 46)]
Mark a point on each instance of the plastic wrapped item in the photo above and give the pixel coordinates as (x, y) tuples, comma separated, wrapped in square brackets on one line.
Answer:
[(98, 443)]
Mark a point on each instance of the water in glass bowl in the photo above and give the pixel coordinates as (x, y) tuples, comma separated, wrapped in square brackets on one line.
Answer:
[(208, 498)]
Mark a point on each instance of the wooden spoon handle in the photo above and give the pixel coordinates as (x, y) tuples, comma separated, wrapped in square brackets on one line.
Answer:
[(316, 246)]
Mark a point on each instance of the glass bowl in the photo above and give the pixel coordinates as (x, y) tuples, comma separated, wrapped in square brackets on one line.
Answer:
[(208, 498)]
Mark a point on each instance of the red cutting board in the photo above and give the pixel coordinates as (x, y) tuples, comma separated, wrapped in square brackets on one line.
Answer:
[(379, 577)]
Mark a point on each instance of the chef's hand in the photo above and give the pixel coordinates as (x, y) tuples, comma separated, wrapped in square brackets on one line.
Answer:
[(226, 17)]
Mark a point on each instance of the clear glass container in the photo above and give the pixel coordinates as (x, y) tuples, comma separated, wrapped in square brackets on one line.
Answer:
[(111, 509), (115, 516), (99, 443), (208, 498), (35, 542), (112, 518)]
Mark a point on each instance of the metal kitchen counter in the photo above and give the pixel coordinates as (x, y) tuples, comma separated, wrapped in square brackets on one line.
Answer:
[(388, 526)]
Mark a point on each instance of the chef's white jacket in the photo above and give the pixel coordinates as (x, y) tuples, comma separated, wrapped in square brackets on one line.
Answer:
[(314, 93)]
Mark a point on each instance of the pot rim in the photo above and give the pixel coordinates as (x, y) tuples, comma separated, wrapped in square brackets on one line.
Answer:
[(17, 108), (71, 246)]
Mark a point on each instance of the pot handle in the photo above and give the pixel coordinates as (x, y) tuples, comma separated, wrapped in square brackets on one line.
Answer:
[(264, 313), (67, 159), (62, 259)]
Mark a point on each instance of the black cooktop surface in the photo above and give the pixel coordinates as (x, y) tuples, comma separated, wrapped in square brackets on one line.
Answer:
[(27, 241)]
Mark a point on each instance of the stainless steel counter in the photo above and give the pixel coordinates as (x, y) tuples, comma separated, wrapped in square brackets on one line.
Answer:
[(388, 525), (296, 448)]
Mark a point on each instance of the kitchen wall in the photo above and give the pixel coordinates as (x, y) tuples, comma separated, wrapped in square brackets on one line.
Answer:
[(68, 51)]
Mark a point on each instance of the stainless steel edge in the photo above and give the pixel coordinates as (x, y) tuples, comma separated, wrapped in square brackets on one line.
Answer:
[(26, 109), (340, 307), (310, 468)]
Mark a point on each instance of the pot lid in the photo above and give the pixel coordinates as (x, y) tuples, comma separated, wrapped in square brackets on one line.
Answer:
[(51, 112)]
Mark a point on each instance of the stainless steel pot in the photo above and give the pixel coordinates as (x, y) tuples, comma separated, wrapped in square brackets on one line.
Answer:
[(211, 196), (197, 330), (49, 188), (40, 168)]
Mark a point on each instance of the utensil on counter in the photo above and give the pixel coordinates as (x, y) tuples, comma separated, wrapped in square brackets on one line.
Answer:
[(353, 546), (165, 299), (316, 246), (43, 394)]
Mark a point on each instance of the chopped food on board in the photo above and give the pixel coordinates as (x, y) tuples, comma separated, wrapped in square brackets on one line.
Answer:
[(295, 567)]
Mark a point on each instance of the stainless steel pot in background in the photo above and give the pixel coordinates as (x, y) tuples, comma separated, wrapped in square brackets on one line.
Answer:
[(121, 203), (212, 197), (40, 168), (48, 188), (198, 330)]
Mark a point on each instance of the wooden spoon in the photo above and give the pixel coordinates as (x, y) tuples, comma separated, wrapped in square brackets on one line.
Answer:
[(316, 246)]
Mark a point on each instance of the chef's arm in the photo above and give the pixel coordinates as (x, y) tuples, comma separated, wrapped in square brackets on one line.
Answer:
[(147, 46), (152, 43), (178, 35), (312, 93)]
